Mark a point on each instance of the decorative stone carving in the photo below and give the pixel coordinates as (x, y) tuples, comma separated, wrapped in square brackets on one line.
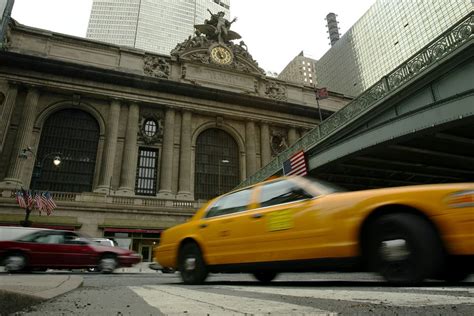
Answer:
[(218, 28), (183, 72), (156, 67), (207, 37), (278, 141), (151, 128), (276, 91)]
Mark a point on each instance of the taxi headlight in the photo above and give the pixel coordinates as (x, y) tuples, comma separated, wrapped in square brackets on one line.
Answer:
[(461, 199)]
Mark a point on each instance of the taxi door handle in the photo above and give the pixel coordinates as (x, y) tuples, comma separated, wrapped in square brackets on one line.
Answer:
[(203, 226), (257, 215)]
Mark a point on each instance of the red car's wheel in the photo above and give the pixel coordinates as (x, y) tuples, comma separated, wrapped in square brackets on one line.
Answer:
[(108, 263), (15, 262)]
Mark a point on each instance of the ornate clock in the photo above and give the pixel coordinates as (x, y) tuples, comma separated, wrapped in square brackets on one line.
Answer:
[(221, 55)]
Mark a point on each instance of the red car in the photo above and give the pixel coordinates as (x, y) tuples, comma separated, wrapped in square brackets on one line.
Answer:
[(58, 249)]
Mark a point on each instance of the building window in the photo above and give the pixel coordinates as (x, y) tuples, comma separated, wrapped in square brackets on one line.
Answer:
[(217, 164), (74, 136), (147, 167), (150, 128)]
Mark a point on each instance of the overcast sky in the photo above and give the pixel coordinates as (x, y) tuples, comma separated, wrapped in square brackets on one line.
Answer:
[(275, 31)]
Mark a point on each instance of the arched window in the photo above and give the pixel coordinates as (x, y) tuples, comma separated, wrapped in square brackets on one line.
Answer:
[(73, 135), (217, 164)]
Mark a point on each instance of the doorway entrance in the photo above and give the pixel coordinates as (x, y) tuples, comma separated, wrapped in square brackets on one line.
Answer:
[(145, 251)]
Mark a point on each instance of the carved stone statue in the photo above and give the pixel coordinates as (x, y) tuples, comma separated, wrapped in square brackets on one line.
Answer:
[(218, 28)]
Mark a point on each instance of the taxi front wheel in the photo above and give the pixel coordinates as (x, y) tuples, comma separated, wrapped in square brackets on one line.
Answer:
[(191, 264)]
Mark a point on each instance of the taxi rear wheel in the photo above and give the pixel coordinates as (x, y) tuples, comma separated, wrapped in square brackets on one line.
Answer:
[(191, 264), (404, 248), (265, 276)]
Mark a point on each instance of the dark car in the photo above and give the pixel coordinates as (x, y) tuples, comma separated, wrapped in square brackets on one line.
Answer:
[(58, 249)]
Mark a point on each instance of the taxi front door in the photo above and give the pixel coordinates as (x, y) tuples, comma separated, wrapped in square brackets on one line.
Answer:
[(289, 229)]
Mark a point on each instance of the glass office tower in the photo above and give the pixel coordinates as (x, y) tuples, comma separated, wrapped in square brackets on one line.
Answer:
[(151, 25), (385, 36)]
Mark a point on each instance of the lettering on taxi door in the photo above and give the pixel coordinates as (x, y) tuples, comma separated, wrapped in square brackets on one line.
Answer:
[(280, 220)]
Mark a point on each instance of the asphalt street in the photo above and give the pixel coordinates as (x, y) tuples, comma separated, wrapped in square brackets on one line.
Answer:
[(225, 294)]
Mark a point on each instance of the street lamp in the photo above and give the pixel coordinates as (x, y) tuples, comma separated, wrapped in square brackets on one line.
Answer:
[(223, 161), (40, 163)]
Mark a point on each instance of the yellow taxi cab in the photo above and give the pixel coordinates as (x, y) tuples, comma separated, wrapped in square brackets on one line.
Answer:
[(292, 224)]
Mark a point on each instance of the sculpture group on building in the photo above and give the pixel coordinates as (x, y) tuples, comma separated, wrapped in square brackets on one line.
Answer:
[(216, 32)]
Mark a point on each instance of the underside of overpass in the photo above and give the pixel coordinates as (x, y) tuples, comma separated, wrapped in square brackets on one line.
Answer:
[(441, 155)]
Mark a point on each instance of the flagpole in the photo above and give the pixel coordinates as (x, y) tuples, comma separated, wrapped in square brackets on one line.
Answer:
[(319, 110), (26, 222)]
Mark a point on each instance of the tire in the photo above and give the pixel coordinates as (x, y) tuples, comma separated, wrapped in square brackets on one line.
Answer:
[(15, 262), (265, 276), (191, 264), (455, 276), (404, 249), (107, 264)]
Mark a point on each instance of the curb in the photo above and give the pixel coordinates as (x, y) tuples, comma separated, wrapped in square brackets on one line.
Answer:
[(16, 295)]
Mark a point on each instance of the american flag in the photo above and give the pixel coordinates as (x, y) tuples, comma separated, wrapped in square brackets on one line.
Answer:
[(27, 197), (48, 204), (20, 200), (322, 93), (296, 165), (38, 202)]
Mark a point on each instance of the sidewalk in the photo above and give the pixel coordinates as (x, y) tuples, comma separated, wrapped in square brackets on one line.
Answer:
[(20, 291)]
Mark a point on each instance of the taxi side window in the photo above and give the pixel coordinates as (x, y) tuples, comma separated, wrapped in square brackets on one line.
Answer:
[(231, 203), (281, 192)]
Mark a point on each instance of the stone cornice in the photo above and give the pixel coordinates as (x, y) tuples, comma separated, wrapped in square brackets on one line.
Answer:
[(119, 78)]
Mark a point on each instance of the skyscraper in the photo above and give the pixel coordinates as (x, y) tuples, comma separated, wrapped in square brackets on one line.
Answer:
[(385, 36), (300, 70), (151, 25)]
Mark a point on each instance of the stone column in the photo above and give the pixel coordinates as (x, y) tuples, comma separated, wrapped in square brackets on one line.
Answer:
[(6, 113), (110, 146), (23, 140), (265, 144), (129, 160), (292, 137), (250, 148), (167, 156), (185, 158)]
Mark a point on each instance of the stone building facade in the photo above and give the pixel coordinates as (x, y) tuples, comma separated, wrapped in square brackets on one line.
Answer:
[(144, 139)]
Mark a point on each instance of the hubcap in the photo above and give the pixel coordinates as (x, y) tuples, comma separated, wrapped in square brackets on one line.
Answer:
[(14, 263), (108, 264), (190, 264), (394, 250)]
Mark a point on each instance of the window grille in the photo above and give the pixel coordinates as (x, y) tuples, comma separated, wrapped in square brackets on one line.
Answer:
[(74, 134), (217, 164), (147, 167)]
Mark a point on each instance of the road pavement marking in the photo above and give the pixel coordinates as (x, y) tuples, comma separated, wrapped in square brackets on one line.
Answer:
[(470, 290), (172, 300), (369, 297)]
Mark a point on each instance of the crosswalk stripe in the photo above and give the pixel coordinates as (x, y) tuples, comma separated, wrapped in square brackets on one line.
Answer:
[(177, 301), (443, 289), (369, 297)]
